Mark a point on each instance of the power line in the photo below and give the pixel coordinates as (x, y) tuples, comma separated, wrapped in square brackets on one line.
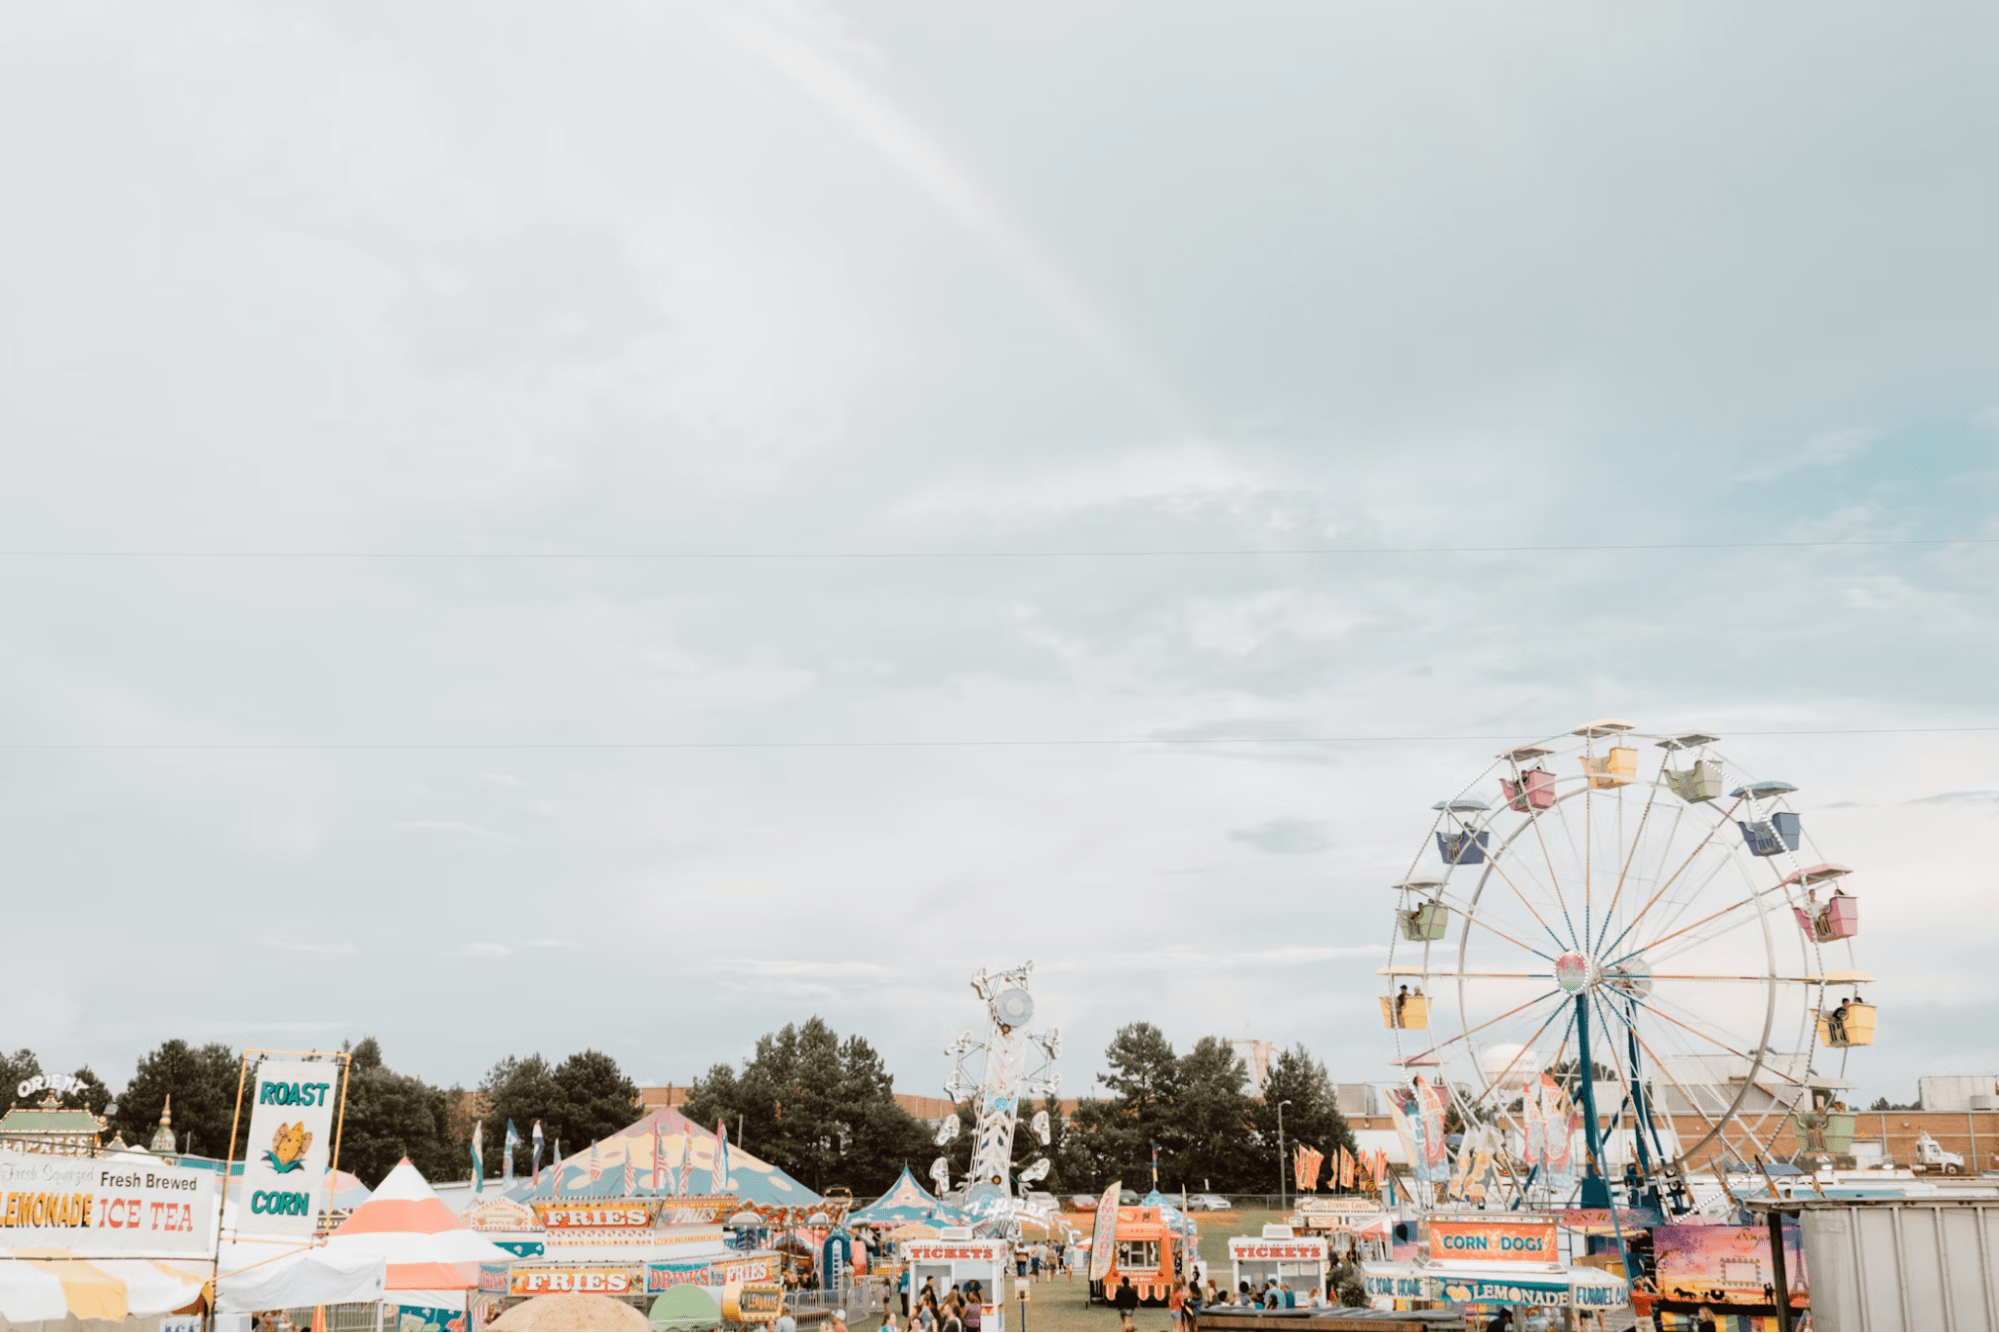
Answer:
[(1219, 552), (1135, 742)]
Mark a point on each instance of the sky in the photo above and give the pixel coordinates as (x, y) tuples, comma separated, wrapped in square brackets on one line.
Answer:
[(485, 486)]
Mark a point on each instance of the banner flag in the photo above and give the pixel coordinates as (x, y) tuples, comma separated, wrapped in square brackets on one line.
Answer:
[(292, 1105), (478, 1157), (1103, 1237), (539, 1143), (513, 1141)]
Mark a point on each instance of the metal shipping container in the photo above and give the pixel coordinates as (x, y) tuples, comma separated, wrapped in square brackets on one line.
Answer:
[(1900, 1263)]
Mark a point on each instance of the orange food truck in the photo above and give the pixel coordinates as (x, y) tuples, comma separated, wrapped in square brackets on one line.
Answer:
[(1147, 1250)]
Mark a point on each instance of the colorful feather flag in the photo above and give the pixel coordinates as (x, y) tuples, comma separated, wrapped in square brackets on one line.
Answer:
[(478, 1158), (1346, 1169), (535, 1163), (513, 1143)]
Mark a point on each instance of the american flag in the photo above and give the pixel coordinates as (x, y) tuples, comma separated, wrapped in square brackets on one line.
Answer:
[(596, 1162), (631, 1173), (658, 1156), (718, 1179), (556, 1167), (686, 1176)]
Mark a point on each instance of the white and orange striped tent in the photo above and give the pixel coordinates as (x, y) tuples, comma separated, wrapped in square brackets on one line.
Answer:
[(433, 1258)]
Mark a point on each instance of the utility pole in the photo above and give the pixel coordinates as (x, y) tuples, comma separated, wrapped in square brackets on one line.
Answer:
[(1282, 1202)]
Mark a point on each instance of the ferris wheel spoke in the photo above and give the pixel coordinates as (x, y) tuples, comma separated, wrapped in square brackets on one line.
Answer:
[(1554, 879), (1507, 880), (1712, 916), (1637, 840), (1499, 1080), (1699, 847), (1679, 907), (1466, 1034), (1684, 1152), (1712, 1040)]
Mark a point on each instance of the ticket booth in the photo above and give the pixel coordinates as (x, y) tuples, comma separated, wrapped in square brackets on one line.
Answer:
[(1278, 1253), (957, 1259)]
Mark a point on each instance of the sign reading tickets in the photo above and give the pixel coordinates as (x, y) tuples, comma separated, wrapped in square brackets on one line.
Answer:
[(290, 1142), (1508, 1240), (92, 1206)]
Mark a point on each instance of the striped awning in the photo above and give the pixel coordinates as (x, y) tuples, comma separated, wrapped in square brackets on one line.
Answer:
[(43, 1285)]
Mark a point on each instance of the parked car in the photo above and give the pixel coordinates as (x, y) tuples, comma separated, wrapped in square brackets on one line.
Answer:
[(1207, 1203), (1083, 1203), (1041, 1199), (1129, 1198)]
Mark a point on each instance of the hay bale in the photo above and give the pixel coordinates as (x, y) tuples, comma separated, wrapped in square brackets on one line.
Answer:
[(569, 1311)]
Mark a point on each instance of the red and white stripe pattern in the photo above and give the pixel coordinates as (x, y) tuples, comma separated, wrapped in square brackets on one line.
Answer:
[(427, 1246)]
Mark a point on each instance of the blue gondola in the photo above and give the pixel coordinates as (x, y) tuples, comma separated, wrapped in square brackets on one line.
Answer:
[(1779, 833), (1463, 849)]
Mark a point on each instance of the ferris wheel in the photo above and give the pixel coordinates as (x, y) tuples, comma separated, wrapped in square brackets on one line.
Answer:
[(1668, 941)]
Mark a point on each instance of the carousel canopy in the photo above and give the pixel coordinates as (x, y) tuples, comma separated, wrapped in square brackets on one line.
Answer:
[(906, 1202), (656, 1148)]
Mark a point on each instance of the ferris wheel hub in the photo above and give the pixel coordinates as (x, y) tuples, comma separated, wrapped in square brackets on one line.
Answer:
[(1574, 971)]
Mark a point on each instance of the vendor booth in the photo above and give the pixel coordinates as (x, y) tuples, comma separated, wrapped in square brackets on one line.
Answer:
[(958, 1259), (1490, 1260), (122, 1238), (1277, 1255), (1151, 1247)]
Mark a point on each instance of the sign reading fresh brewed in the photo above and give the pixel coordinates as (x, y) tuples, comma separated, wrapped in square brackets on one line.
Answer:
[(288, 1147), (93, 1206)]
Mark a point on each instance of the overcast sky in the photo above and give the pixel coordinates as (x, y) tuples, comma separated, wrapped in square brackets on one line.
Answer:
[(287, 279)]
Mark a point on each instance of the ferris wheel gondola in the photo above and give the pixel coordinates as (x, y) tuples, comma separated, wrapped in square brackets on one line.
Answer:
[(1677, 961)]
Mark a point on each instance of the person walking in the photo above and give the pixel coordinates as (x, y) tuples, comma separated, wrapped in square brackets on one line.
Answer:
[(1190, 1311), (1125, 1301)]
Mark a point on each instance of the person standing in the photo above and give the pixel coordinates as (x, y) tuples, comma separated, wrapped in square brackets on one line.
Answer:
[(1125, 1300)]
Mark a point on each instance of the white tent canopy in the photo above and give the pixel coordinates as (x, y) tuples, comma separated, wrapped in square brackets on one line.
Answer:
[(270, 1275)]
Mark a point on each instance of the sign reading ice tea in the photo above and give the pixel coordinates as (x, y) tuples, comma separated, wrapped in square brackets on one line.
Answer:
[(98, 1206), (1506, 1240)]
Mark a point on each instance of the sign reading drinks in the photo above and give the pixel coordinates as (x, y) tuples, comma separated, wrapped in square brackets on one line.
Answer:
[(289, 1145), (100, 1207), (1508, 1240)]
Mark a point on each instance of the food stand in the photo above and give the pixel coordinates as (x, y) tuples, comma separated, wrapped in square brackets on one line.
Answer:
[(1148, 1248), (1280, 1255), (1355, 1226), (1490, 1260), (957, 1258)]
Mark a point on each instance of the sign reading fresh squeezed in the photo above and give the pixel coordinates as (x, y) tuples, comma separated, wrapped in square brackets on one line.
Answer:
[(1507, 1240), (97, 1206), (290, 1142)]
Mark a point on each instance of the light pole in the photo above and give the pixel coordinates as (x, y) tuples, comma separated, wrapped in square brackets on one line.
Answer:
[(1281, 1202)]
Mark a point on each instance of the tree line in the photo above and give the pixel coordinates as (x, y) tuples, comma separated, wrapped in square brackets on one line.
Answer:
[(818, 1105)]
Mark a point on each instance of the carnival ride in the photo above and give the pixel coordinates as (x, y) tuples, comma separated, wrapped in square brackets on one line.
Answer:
[(1011, 1064), (1598, 934)]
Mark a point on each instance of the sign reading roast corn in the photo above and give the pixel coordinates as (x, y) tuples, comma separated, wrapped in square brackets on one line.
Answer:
[(288, 1146)]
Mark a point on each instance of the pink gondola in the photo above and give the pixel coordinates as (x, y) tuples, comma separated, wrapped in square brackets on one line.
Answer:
[(1534, 791)]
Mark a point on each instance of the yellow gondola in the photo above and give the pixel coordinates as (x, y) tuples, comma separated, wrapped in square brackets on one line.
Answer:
[(1405, 1011)]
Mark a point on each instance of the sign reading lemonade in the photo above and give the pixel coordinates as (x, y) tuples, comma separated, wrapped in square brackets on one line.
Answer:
[(288, 1146)]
